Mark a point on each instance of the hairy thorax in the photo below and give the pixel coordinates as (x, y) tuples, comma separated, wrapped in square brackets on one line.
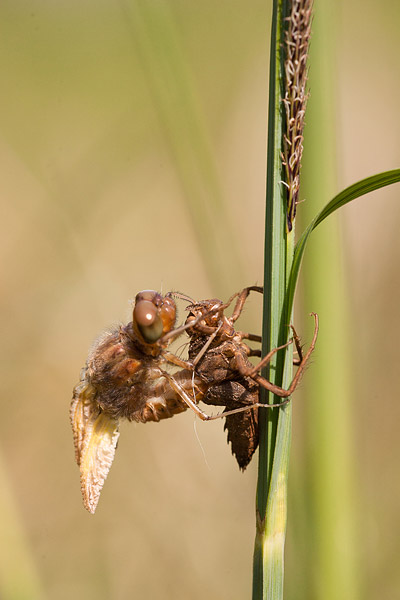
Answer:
[(128, 382)]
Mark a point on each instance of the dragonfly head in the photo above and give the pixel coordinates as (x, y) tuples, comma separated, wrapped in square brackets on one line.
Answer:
[(153, 315)]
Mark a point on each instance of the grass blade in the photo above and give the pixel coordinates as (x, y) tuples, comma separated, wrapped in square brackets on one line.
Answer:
[(356, 190), (157, 42), (329, 528), (19, 577)]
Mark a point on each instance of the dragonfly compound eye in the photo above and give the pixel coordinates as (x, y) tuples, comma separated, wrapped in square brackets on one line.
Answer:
[(148, 321)]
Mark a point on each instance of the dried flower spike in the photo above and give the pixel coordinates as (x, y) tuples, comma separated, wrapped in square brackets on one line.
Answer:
[(297, 38)]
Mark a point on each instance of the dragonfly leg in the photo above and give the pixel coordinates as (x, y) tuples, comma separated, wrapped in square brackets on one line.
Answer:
[(249, 371), (242, 297)]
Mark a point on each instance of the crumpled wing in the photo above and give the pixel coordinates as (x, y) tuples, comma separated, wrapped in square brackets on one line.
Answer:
[(99, 444), (95, 438), (84, 409)]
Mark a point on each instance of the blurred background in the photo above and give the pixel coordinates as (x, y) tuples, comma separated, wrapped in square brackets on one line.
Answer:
[(133, 150)]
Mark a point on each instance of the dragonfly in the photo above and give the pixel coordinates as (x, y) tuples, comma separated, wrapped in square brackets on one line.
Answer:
[(126, 376)]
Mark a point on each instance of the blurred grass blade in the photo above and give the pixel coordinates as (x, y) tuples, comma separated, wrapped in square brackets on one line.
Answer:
[(19, 579), (330, 568), (172, 88), (365, 186)]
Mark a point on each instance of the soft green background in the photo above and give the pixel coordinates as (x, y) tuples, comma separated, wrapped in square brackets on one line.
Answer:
[(132, 156)]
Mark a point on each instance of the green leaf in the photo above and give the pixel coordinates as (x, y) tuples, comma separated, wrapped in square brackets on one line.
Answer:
[(361, 188)]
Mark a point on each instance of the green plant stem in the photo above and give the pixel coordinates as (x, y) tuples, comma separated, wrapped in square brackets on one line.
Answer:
[(275, 424)]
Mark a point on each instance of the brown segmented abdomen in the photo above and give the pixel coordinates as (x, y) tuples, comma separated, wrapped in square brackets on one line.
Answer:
[(166, 401)]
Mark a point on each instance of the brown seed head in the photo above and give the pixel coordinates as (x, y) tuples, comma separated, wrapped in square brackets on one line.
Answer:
[(297, 38)]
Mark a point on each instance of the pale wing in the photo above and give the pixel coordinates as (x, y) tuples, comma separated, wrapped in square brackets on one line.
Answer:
[(95, 440), (98, 450)]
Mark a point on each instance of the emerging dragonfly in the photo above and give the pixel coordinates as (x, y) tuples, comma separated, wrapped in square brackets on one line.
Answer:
[(125, 377)]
